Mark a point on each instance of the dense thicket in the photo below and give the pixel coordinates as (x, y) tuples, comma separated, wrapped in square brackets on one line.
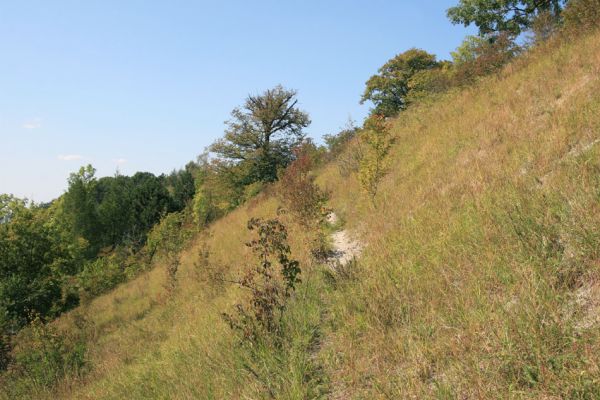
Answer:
[(42, 247)]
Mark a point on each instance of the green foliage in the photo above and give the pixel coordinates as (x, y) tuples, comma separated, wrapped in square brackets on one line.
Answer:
[(43, 357), (430, 82), (270, 287), (101, 275), (219, 190), (261, 135), (34, 259), (468, 51), (79, 205), (478, 57), (150, 200), (9, 204), (389, 88), (336, 143), (115, 210), (373, 166), (167, 239), (496, 16), (182, 186)]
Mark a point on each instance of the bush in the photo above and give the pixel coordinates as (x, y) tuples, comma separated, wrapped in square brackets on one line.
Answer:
[(373, 166), (270, 287), (543, 27), (337, 143), (299, 193), (482, 56), (43, 357), (429, 82), (101, 275), (582, 15), (349, 161), (167, 239), (252, 190), (5, 350)]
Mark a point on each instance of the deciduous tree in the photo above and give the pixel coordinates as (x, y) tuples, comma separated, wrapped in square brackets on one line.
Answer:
[(389, 88), (262, 133), (495, 16)]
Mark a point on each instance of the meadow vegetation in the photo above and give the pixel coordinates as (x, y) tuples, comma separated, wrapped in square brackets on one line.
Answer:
[(474, 187)]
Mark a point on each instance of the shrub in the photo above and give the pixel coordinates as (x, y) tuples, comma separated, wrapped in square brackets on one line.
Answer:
[(252, 190), (349, 161), (5, 350), (299, 193), (270, 287), (429, 82), (543, 27), (167, 239), (483, 56), (373, 165), (337, 143), (101, 275), (43, 356), (582, 15)]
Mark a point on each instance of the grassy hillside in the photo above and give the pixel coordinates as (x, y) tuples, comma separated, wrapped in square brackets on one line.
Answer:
[(480, 276)]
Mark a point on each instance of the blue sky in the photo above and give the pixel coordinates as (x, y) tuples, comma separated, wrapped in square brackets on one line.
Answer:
[(147, 85)]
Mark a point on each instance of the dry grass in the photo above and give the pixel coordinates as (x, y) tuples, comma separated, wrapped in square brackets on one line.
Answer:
[(483, 230), (477, 280)]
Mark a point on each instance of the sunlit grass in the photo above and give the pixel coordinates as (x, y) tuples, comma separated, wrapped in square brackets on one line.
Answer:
[(484, 234)]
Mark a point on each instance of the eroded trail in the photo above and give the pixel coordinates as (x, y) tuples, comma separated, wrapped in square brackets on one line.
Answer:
[(345, 247)]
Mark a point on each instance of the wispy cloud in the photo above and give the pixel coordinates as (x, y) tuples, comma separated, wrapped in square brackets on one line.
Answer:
[(120, 161), (35, 123), (70, 157)]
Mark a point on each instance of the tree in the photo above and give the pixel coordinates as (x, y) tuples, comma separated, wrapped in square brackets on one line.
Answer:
[(261, 135), (495, 16), (34, 257), (150, 200), (373, 166), (110, 211), (80, 207), (182, 186), (389, 88), (430, 82), (114, 209), (468, 50)]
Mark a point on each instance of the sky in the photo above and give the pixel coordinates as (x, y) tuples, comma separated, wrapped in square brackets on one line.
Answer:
[(134, 85)]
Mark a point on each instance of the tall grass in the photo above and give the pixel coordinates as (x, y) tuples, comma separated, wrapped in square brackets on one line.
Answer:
[(484, 236), (478, 278)]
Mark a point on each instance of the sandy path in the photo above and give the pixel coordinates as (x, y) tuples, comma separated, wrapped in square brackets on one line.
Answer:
[(345, 247)]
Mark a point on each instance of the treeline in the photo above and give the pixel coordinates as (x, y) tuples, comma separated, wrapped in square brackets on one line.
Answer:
[(43, 246), (103, 231), (506, 29)]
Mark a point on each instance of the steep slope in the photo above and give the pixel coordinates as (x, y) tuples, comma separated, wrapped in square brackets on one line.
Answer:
[(483, 243), (478, 279)]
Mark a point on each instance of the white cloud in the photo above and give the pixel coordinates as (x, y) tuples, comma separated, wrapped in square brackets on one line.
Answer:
[(120, 161), (33, 124), (70, 157)]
